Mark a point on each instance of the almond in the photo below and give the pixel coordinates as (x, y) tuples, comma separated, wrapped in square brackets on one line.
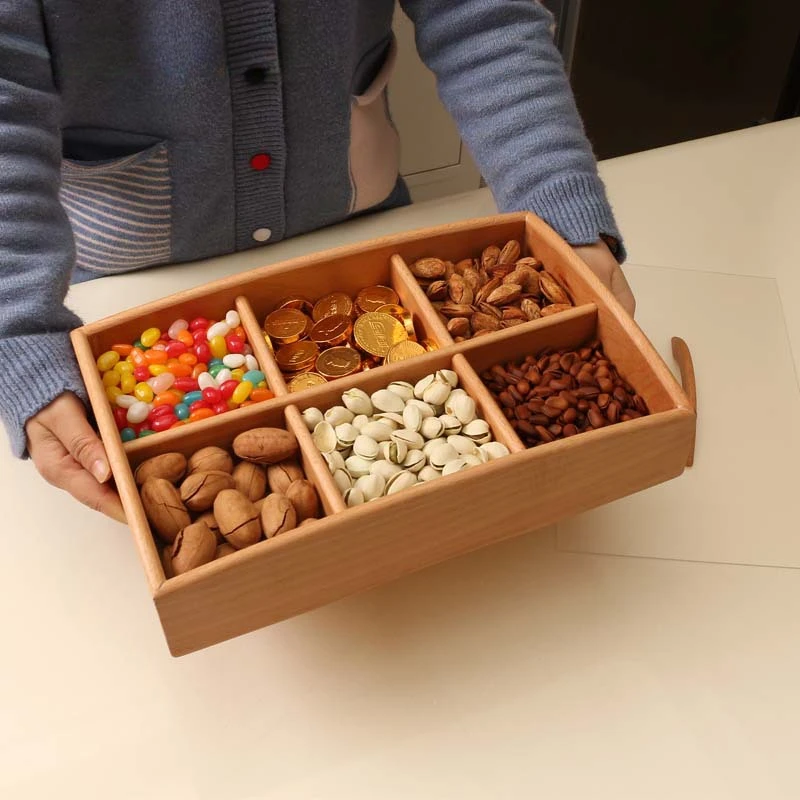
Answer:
[(488, 288), (437, 290), (505, 295), (484, 322), (530, 309), (510, 252), (458, 326), (459, 291), (555, 308), (455, 310), (429, 268), (489, 256), (552, 289)]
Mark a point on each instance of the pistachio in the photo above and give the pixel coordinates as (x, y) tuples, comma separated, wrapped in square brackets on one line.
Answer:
[(334, 460), (342, 479), (428, 473), (379, 431), (403, 480), (441, 455), (359, 421), (457, 465), (210, 458), (384, 468), (491, 451), (463, 409), (384, 400), (354, 497), (436, 393), (431, 445), (393, 452), (426, 408), (402, 389), (411, 439), (394, 421), (414, 461), (357, 466), (478, 430), (357, 401), (451, 424), (365, 447), (462, 444), (346, 435), (431, 428), (371, 486), (324, 437), (421, 385), (338, 415), (412, 418), (312, 417)]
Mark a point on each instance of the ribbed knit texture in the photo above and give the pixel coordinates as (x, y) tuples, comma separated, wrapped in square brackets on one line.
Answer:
[(252, 41)]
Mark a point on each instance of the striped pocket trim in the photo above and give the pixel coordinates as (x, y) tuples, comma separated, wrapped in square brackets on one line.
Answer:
[(120, 211)]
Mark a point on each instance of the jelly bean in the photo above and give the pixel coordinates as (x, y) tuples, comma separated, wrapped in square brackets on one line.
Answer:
[(138, 345), (142, 373), (201, 413), (182, 411), (159, 411), (227, 388), (174, 349), (127, 434), (220, 408), (215, 362), (111, 378), (167, 398), (138, 412), (156, 356), (203, 352), (237, 374), (242, 392), (125, 401), (107, 360), (161, 382), (127, 383), (124, 368), (164, 422), (261, 385), (120, 417), (197, 404), (251, 362), (190, 359), (150, 337), (234, 343), (215, 370), (185, 384), (145, 432), (179, 370), (157, 369), (259, 395), (212, 395), (232, 405), (176, 327), (160, 346), (255, 376), (233, 360), (239, 331), (192, 397), (205, 380), (123, 349), (184, 337), (113, 392), (143, 392), (218, 346), (232, 318), (218, 329), (198, 369), (223, 375), (248, 351), (198, 322)]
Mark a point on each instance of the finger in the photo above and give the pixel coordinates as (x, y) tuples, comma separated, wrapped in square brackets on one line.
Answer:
[(97, 496), (69, 425), (622, 291)]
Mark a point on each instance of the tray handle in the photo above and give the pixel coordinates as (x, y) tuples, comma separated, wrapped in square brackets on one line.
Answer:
[(683, 357)]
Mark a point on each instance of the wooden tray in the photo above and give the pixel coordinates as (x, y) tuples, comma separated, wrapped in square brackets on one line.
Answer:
[(353, 549)]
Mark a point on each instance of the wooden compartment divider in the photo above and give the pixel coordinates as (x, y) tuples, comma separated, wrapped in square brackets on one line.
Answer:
[(353, 549)]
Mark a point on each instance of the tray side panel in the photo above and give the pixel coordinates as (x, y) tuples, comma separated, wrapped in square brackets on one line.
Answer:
[(373, 544)]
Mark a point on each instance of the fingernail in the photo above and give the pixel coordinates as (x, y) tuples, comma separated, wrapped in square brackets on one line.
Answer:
[(100, 470)]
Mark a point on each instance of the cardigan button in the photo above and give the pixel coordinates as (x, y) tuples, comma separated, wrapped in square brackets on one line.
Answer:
[(262, 234)]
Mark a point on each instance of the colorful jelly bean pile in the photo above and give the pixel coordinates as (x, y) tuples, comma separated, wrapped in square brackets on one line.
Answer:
[(193, 371)]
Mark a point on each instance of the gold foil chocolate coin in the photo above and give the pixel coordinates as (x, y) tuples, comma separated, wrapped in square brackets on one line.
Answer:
[(373, 297), (403, 351), (399, 313), (334, 303), (297, 357), (296, 301), (332, 330), (268, 342), (287, 325), (305, 381), (337, 362), (375, 333)]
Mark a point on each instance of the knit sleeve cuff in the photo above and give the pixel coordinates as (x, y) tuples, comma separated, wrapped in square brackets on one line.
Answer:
[(577, 208), (36, 369)]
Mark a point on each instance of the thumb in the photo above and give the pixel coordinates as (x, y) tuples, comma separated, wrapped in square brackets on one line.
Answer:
[(74, 432)]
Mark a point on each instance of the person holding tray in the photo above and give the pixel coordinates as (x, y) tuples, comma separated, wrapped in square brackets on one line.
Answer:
[(139, 134)]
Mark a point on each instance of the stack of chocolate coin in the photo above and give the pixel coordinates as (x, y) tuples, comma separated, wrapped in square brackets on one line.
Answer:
[(337, 335)]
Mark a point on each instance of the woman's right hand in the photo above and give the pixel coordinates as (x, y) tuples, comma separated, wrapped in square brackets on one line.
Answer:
[(70, 455)]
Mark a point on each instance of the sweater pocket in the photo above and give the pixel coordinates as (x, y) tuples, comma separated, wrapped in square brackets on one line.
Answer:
[(374, 144), (120, 210)]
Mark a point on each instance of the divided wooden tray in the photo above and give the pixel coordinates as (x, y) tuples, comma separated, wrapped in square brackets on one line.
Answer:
[(353, 549)]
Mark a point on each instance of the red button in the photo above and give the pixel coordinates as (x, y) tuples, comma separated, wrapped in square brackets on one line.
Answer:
[(260, 161)]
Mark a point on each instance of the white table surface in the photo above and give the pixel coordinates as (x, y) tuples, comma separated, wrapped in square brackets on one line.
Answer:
[(649, 649)]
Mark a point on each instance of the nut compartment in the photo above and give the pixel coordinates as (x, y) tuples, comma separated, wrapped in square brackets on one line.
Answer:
[(352, 549)]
